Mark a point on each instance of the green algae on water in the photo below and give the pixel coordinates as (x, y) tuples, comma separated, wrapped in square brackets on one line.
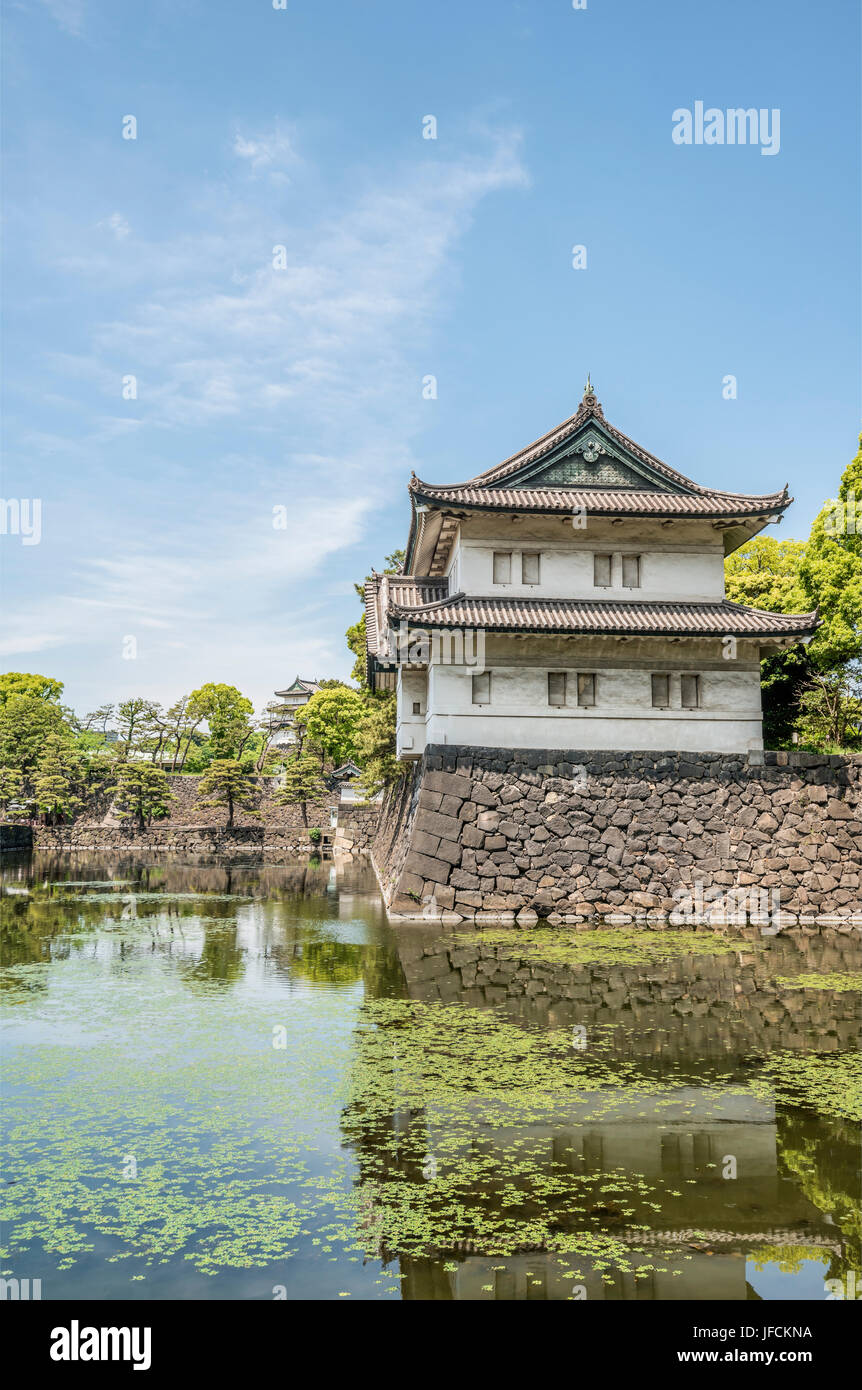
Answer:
[(840, 982), (616, 946)]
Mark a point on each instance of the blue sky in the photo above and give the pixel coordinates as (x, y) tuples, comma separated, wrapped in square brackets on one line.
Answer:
[(301, 387)]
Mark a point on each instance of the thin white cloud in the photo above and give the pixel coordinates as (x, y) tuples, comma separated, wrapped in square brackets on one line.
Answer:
[(117, 224), (312, 370), (273, 151)]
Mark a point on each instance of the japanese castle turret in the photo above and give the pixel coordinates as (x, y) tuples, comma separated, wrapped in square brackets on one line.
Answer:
[(573, 597)]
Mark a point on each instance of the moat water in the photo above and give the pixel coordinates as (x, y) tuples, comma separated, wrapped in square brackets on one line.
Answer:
[(241, 1082)]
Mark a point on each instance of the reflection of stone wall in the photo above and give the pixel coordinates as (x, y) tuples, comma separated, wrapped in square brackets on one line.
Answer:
[(693, 1005), (571, 836)]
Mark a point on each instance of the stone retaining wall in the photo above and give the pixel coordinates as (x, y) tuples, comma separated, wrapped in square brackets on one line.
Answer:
[(357, 827), (14, 837), (250, 842), (569, 836), (187, 808)]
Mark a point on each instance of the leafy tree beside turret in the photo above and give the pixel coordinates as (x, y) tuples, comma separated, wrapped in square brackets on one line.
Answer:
[(228, 714), (331, 721), (830, 573)]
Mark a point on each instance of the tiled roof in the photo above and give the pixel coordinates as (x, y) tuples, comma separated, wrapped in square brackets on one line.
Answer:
[(598, 503), (599, 616), (384, 590), (300, 686), (589, 409)]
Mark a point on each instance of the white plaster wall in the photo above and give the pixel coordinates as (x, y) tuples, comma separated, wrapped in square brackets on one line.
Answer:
[(410, 727), (566, 571), (679, 560), (729, 719)]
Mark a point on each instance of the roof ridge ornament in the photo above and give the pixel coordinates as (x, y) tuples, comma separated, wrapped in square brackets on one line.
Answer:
[(590, 405)]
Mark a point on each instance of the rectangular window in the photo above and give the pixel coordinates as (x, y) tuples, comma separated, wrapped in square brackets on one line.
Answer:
[(482, 689), (502, 567), (417, 708), (661, 692), (586, 690), (556, 687), (690, 691), (631, 571), (529, 568), (602, 571)]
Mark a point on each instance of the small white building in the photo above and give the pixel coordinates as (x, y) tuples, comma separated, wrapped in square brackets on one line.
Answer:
[(573, 598)]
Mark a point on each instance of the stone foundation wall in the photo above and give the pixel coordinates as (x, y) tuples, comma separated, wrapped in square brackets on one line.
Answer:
[(357, 828), (501, 833), (254, 842), (15, 837)]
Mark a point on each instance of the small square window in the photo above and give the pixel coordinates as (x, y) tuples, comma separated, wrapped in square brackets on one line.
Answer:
[(690, 691), (556, 687), (502, 567), (602, 571), (631, 571), (529, 568), (417, 707), (661, 692), (482, 689), (586, 690)]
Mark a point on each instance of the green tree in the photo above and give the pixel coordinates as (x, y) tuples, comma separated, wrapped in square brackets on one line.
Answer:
[(271, 720), (136, 721), (97, 720), (26, 723), (303, 782), (11, 786), (831, 709), (331, 719), (228, 715), (375, 745), (34, 687), (831, 573), (142, 792), (228, 784), (764, 573), (58, 779)]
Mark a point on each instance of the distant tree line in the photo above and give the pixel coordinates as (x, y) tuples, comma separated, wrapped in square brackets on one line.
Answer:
[(52, 760)]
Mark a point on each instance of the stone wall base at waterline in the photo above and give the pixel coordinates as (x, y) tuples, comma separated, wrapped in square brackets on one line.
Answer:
[(250, 842), (497, 834), (15, 836)]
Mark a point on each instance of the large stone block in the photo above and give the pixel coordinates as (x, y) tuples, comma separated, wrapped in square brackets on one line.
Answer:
[(449, 783), (435, 823), (433, 869)]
